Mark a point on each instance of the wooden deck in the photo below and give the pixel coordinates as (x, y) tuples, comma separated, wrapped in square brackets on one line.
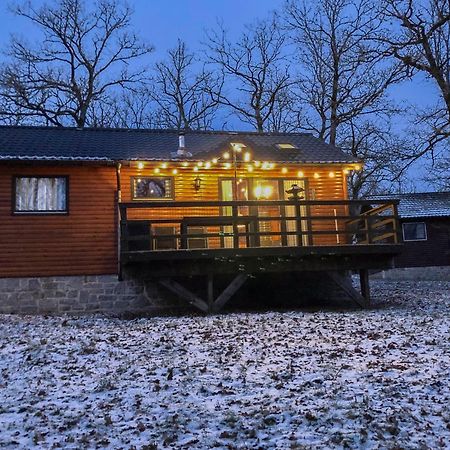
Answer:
[(165, 240)]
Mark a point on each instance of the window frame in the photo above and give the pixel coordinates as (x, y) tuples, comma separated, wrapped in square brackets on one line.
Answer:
[(414, 240), (17, 212), (151, 199)]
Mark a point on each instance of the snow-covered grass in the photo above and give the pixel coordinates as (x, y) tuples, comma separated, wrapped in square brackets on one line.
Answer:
[(350, 379)]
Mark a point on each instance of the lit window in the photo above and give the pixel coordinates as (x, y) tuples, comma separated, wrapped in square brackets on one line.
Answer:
[(414, 231), (151, 188), (35, 194), (285, 146)]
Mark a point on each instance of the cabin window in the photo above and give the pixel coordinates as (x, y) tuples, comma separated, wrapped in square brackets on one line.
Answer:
[(40, 194), (414, 231), (152, 188)]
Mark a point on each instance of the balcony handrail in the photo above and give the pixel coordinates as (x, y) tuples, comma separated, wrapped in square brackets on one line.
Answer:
[(137, 204)]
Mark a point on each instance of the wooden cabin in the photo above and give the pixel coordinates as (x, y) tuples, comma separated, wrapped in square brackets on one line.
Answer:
[(114, 205)]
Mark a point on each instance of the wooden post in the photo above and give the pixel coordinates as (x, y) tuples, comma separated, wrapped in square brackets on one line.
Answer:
[(235, 226), (210, 291), (365, 284)]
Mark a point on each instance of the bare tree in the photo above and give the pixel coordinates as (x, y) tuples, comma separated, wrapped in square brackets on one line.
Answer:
[(419, 39), (255, 71), (182, 87), (343, 74), (86, 53), (374, 142)]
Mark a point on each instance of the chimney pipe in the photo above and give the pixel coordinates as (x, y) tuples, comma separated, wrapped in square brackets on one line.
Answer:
[(181, 145)]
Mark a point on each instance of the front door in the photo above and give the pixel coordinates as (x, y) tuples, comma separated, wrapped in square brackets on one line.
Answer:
[(265, 189)]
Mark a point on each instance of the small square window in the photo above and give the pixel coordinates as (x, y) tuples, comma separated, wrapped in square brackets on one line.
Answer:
[(152, 188), (414, 231), (35, 194)]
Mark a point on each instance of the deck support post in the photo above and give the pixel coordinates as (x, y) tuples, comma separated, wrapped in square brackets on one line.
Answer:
[(210, 291), (346, 285), (210, 305), (365, 284)]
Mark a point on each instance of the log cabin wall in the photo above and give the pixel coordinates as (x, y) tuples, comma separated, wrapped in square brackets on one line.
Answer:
[(320, 186), (83, 242)]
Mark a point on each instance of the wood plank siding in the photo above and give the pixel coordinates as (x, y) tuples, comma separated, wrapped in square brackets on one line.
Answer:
[(320, 186), (83, 242)]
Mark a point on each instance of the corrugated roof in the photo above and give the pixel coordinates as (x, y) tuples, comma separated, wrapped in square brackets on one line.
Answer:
[(425, 204), (89, 144)]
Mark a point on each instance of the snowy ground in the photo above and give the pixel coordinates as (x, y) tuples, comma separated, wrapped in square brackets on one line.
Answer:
[(351, 379)]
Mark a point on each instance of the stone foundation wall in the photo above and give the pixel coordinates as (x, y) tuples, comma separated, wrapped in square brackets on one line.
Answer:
[(105, 294), (81, 294)]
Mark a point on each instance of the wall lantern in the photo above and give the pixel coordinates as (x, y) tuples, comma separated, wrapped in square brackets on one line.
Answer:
[(197, 183)]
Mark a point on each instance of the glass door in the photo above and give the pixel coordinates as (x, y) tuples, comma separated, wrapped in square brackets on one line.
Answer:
[(290, 211), (227, 193)]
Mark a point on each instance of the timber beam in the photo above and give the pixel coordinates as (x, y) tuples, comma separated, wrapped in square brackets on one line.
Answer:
[(211, 305)]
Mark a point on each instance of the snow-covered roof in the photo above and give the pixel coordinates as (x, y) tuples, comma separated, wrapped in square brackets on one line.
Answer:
[(425, 204)]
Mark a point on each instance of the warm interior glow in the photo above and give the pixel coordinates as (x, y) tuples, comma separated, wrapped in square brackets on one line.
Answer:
[(140, 165), (284, 170), (247, 157), (185, 164), (226, 155), (346, 171), (257, 163), (164, 165), (300, 174), (227, 165), (250, 168), (207, 165), (357, 167), (200, 164), (156, 170), (316, 175), (174, 171), (215, 161), (195, 169), (263, 192), (331, 174)]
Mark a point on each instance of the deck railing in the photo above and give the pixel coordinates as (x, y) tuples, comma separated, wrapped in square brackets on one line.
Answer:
[(192, 225)]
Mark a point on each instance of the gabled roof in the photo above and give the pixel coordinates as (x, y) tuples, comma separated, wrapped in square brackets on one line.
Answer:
[(426, 204), (89, 144)]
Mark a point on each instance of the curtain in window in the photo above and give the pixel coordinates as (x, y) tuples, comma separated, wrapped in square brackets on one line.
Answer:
[(40, 194)]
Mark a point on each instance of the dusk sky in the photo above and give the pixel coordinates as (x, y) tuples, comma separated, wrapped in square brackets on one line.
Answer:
[(162, 22)]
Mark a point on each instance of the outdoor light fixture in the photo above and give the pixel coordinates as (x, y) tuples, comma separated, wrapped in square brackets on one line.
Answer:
[(140, 165), (197, 183)]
